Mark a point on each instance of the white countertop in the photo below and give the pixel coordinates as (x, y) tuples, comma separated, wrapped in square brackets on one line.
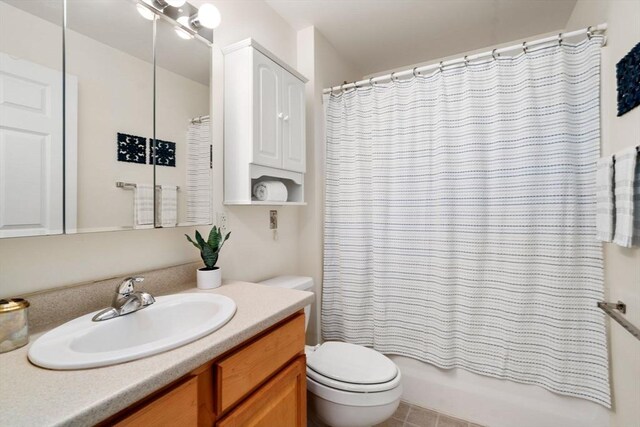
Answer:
[(31, 396)]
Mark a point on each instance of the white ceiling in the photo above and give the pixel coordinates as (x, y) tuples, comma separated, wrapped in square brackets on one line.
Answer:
[(379, 35)]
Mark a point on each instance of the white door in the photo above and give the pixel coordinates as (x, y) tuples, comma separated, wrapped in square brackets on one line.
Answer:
[(31, 153), (293, 123), (267, 147)]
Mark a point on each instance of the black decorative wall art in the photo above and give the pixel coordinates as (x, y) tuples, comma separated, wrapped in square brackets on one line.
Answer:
[(628, 76), (165, 153), (132, 149)]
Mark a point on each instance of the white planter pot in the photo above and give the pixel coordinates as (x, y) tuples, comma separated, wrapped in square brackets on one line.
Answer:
[(209, 279)]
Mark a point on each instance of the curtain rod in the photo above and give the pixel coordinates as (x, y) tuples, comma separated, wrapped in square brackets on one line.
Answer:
[(525, 46)]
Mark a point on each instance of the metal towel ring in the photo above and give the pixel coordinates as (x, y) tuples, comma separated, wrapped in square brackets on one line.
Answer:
[(525, 49), (493, 54), (559, 39)]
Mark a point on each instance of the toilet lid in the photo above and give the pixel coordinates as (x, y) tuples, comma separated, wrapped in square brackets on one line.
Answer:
[(350, 363)]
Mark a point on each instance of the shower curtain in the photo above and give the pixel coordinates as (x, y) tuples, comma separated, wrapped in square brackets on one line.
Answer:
[(460, 219)]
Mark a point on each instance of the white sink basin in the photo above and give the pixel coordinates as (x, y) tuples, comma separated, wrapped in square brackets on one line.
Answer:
[(173, 321)]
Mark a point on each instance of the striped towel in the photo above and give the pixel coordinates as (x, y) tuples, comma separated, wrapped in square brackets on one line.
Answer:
[(624, 170), (143, 206), (605, 216), (167, 205), (636, 205)]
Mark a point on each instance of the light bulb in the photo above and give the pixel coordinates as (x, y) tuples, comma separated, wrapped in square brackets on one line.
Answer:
[(209, 16), (176, 3), (181, 32), (145, 13)]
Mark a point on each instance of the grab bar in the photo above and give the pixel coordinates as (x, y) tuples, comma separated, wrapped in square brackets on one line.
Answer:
[(609, 307)]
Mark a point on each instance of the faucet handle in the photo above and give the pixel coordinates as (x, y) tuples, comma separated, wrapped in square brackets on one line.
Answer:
[(126, 287)]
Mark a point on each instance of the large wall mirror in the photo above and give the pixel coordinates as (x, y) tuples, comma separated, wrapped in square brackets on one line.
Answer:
[(131, 149)]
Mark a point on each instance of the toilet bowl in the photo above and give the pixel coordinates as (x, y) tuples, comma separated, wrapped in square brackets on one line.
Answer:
[(348, 385)]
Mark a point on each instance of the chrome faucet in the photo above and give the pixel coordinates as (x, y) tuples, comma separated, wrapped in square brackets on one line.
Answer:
[(126, 300)]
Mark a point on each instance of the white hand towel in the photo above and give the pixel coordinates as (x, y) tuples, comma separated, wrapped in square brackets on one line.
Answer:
[(143, 205), (271, 191), (605, 215), (167, 205), (624, 172), (636, 204)]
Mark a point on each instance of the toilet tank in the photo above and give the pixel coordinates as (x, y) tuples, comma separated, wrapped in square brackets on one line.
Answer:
[(301, 283)]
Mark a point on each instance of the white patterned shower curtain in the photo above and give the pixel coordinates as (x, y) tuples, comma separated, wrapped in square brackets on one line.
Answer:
[(460, 219)]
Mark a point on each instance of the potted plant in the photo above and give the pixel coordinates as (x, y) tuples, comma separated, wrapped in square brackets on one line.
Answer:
[(209, 276)]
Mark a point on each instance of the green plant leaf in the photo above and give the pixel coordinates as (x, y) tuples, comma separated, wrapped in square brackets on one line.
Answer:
[(209, 256), (200, 240), (214, 238), (193, 243)]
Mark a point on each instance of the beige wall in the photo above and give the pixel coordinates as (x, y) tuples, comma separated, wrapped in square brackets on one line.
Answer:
[(324, 67), (622, 266), (35, 263)]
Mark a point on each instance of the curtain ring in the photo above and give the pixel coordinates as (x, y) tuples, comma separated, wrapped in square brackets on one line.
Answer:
[(466, 61), (559, 39), (493, 54), (589, 32), (371, 82), (524, 47), (391, 77), (441, 66), (355, 85), (414, 72)]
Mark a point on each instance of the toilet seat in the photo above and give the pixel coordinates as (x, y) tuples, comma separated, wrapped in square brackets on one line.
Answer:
[(351, 368)]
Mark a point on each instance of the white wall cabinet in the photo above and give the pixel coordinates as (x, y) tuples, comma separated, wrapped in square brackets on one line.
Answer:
[(264, 123)]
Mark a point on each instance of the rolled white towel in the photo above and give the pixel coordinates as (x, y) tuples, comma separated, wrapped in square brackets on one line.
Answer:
[(270, 191)]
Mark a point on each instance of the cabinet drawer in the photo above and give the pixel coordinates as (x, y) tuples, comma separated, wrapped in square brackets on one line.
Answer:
[(280, 402), (177, 408), (247, 368)]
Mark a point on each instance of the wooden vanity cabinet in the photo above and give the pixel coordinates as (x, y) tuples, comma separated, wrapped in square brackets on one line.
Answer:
[(262, 382)]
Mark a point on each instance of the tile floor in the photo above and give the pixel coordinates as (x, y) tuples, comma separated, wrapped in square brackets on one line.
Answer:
[(408, 415)]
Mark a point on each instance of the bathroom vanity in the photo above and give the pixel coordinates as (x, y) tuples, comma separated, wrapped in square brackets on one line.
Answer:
[(252, 370), (261, 382)]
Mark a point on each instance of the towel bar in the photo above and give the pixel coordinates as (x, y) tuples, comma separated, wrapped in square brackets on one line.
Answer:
[(609, 307), (127, 185)]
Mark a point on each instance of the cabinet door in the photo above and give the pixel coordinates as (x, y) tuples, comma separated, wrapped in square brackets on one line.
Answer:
[(293, 123), (267, 114), (281, 402)]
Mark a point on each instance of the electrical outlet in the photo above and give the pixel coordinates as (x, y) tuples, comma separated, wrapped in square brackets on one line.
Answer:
[(273, 220), (221, 220)]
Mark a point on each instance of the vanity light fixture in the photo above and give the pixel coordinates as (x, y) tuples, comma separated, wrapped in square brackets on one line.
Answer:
[(145, 12), (208, 16), (181, 32), (188, 21)]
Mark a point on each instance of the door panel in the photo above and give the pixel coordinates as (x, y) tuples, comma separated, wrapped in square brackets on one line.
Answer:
[(281, 402), (293, 131), (267, 114), (31, 154)]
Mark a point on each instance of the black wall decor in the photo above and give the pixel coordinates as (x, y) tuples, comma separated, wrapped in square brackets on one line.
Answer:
[(132, 149), (165, 153), (628, 76)]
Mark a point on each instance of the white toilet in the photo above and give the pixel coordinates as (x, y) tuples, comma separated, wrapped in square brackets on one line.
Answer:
[(348, 385)]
